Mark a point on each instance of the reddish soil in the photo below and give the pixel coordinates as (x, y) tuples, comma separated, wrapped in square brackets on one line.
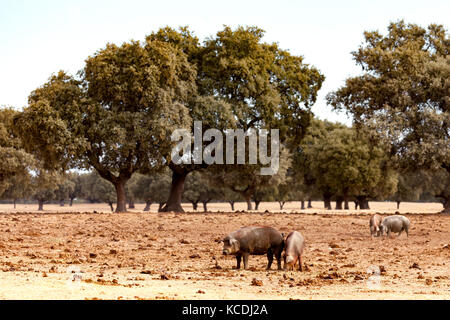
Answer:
[(178, 256)]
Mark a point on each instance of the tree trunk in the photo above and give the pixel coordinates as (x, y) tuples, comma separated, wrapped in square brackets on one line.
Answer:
[(398, 204), (232, 205), (111, 206), (71, 202), (303, 205), (176, 191), (205, 206), (346, 206), (339, 202), (282, 203), (363, 202), (148, 204), (446, 204), (309, 204), (356, 204), (61, 203), (40, 205), (15, 203), (257, 202), (121, 195), (248, 199), (327, 201), (131, 204), (161, 206), (195, 205)]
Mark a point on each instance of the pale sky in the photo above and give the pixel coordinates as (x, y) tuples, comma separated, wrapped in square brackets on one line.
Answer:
[(38, 38)]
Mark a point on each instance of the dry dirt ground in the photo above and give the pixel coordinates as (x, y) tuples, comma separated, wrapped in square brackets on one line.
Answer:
[(139, 255)]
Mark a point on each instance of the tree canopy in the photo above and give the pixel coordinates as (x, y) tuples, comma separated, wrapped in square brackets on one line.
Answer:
[(244, 83), (343, 163), (117, 116), (402, 97), (16, 162)]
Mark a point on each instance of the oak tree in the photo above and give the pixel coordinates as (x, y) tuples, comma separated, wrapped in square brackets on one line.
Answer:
[(402, 96), (15, 162), (244, 83), (116, 116)]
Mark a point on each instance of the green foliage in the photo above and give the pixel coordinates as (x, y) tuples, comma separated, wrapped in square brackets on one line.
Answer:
[(117, 117), (265, 85), (15, 162), (95, 189), (64, 190), (118, 114), (228, 195), (44, 184), (200, 187), (19, 187), (247, 181), (287, 191), (76, 191), (245, 83), (303, 157), (438, 183), (339, 161), (410, 185), (151, 188), (402, 97)]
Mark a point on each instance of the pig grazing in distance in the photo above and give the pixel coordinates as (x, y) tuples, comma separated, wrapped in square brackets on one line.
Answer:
[(375, 222), (255, 241), (395, 223), (294, 244)]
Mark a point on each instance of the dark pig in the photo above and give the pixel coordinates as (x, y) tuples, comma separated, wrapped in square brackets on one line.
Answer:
[(255, 241), (295, 243)]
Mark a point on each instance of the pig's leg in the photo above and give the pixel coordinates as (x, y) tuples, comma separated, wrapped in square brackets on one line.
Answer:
[(278, 256), (245, 256), (238, 259), (270, 258), (407, 232)]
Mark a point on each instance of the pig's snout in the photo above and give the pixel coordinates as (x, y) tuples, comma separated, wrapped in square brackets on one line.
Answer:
[(288, 262), (230, 246)]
